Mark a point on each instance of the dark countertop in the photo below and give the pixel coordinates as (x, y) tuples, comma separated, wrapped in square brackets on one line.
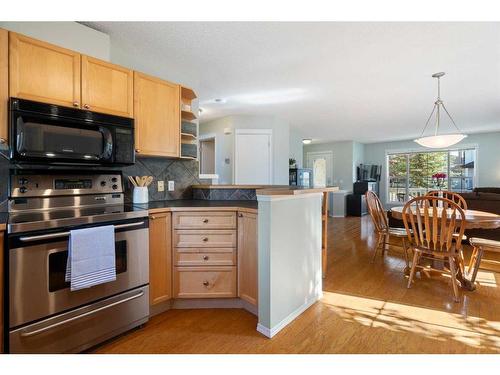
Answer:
[(196, 203), (4, 217)]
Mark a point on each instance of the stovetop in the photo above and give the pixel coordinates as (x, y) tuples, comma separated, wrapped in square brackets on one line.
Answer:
[(35, 220)]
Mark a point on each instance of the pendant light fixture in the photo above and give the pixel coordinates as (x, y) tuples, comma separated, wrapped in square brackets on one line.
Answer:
[(437, 140)]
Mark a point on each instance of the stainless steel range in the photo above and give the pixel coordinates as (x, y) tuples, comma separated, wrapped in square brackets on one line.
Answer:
[(44, 316)]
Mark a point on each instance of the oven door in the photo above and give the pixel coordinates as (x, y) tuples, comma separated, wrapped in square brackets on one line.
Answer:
[(38, 137), (37, 288)]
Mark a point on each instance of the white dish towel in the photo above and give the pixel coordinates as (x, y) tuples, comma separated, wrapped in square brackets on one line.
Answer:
[(91, 257)]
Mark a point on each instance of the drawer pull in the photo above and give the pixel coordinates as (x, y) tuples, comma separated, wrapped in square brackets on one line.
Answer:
[(206, 283), (205, 221), (205, 239), (205, 257)]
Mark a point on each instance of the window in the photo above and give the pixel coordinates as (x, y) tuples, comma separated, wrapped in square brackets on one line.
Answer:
[(410, 174)]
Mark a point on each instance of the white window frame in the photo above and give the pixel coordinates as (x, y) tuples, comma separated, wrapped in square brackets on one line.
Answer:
[(389, 152)]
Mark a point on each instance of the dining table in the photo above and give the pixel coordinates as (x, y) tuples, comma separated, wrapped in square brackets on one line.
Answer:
[(474, 219)]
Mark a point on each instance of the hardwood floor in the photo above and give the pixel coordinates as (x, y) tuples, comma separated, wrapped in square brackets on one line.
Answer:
[(366, 308)]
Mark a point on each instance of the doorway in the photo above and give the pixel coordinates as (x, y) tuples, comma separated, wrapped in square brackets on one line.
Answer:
[(253, 156), (207, 155), (321, 164)]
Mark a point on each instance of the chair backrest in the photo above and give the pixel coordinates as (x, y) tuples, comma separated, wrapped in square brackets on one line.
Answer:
[(427, 225), (377, 213), (457, 198)]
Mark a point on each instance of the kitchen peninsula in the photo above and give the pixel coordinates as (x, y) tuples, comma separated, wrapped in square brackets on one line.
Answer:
[(217, 259)]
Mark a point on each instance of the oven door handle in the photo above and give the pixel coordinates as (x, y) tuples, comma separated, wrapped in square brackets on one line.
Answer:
[(91, 312), (65, 234)]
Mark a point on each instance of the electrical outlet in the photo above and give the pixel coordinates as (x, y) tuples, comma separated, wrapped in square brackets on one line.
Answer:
[(161, 185), (171, 186)]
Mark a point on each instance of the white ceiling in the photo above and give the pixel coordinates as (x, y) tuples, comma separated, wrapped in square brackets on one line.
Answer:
[(362, 81)]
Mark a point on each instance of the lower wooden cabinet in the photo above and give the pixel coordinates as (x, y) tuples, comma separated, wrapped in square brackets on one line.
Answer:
[(247, 257), (205, 282), (160, 257)]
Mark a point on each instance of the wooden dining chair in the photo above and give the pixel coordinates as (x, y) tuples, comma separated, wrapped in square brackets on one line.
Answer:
[(432, 234), (452, 196), (480, 245), (382, 228)]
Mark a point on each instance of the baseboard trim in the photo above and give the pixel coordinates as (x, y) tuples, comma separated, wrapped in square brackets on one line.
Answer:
[(271, 332)]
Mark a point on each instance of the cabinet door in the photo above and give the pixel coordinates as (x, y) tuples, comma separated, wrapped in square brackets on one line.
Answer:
[(43, 72), (107, 88), (160, 257), (157, 116), (247, 257), (4, 86)]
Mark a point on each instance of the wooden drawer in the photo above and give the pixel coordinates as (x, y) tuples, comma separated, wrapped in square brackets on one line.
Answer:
[(204, 282), (204, 238), (205, 220), (185, 256)]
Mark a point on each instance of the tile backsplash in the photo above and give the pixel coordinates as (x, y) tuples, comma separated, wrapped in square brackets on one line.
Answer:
[(183, 172)]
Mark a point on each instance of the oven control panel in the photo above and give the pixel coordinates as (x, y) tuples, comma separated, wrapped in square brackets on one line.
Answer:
[(42, 185)]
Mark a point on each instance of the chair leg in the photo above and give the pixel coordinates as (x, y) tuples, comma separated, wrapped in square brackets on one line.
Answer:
[(386, 244), (405, 249), (477, 263), (414, 264), (472, 258), (454, 278), (379, 241)]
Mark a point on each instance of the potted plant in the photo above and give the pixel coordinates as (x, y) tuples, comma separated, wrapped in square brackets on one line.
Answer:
[(438, 179)]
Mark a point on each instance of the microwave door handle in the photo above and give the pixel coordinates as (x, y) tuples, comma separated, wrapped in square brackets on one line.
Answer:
[(65, 234), (91, 312), (107, 151)]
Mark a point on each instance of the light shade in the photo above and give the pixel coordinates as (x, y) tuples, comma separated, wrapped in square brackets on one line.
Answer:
[(440, 141)]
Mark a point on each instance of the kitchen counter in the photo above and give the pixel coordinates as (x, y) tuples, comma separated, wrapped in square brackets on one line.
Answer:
[(295, 190), (4, 217), (198, 205)]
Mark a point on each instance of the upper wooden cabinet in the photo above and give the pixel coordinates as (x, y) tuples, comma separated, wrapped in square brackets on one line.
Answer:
[(247, 257), (43, 72), (107, 87), (4, 85), (160, 258), (157, 116)]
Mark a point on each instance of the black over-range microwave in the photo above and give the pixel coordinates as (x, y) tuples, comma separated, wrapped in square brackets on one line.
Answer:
[(47, 133)]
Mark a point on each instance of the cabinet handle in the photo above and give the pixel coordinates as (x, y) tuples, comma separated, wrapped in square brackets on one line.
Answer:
[(205, 257), (3, 141), (86, 106), (205, 221), (240, 215), (206, 283), (76, 104), (205, 239), (153, 217), (137, 150)]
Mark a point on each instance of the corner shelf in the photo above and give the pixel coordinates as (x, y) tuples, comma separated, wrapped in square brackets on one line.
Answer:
[(189, 128)]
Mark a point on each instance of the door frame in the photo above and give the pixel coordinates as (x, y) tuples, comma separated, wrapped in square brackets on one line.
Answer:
[(268, 132), (311, 154), (206, 137)]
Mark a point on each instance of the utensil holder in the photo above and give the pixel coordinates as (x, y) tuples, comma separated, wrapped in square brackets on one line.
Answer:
[(140, 194)]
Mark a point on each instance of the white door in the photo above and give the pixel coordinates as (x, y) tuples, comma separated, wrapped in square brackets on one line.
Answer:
[(253, 156), (321, 164)]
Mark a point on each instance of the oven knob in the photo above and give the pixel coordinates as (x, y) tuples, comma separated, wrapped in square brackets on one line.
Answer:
[(23, 181), (23, 189), (103, 183), (115, 186)]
